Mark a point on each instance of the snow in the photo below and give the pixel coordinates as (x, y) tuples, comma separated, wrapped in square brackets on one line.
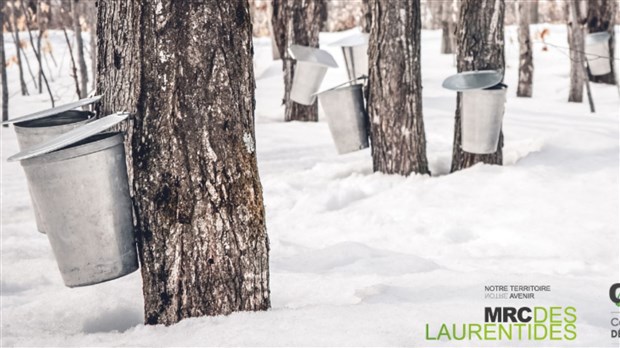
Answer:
[(363, 258)]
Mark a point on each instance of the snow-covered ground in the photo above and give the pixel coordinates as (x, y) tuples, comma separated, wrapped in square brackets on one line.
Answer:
[(361, 258)]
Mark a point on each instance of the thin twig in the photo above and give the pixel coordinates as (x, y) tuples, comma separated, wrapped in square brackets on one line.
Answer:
[(29, 19), (75, 78), (578, 51)]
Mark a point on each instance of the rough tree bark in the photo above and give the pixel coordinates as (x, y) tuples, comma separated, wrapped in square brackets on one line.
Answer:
[(296, 22), (480, 46), (448, 25), (576, 45), (5, 85), (601, 17), (395, 88), (526, 62), (184, 68), (79, 45), (18, 49), (366, 21)]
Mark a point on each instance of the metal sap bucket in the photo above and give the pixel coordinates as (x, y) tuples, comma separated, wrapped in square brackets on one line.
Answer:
[(355, 52), (43, 125), (80, 181), (482, 109), (346, 117), (597, 48), (33, 132), (481, 119), (310, 69)]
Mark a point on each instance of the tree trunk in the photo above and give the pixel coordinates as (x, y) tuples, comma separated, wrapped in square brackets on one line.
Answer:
[(79, 45), (448, 26), (601, 17), (395, 88), (296, 22), (5, 85), (431, 14), (18, 50), (526, 63), (91, 14), (480, 46), (533, 11), (576, 45), (185, 69), (366, 21), (278, 25)]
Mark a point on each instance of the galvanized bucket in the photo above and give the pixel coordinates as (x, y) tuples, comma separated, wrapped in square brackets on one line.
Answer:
[(355, 52), (33, 132), (310, 69), (346, 117), (481, 119), (307, 81), (83, 196), (597, 53)]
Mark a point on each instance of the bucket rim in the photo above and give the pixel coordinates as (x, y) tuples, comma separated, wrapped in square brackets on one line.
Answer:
[(500, 90), (475, 79), (340, 88), (94, 143), (76, 119), (73, 136), (54, 110)]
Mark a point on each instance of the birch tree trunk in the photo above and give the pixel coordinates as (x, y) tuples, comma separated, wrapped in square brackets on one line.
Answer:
[(5, 85), (395, 88), (601, 17), (480, 46), (576, 45), (184, 69), (79, 45), (526, 62), (296, 22)]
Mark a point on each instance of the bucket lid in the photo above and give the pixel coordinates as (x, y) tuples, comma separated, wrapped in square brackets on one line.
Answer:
[(71, 137), (54, 111), (358, 39), (595, 38), (312, 55), (472, 80)]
